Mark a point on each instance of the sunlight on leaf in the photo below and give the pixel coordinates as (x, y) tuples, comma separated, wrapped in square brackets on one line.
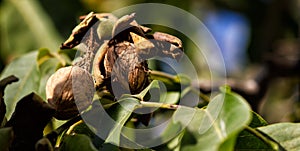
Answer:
[(172, 98), (25, 68), (120, 113), (286, 134), (221, 124)]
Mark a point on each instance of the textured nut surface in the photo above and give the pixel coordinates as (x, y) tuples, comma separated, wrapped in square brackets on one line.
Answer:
[(126, 68), (69, 90)]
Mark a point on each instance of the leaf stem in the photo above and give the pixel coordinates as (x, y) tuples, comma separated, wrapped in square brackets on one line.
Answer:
[(57, 134), (73, 126), (171, 78), (159, 74), (271, 143), (157, 105)]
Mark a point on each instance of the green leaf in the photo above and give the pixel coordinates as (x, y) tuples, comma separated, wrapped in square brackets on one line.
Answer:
[(171, 82), (153, 84), (176, 142), (43, 55), (120, 112), (6, 138), (249, 141), (174, 132), (33, 70), (3, 83), (286, 134), (24, 27), (77, 142), (25, 68), (217, 126), (172, 98), (47, 63), (158, 93), (154, 92), (82, 128), (35, 21), (109, 147), (257, 121)]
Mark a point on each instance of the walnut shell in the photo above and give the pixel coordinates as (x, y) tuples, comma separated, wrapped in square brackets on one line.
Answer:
[(70, 90)]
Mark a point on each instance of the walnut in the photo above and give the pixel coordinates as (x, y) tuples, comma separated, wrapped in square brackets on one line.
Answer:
[(69, 90), (121, 63), (119, 49)]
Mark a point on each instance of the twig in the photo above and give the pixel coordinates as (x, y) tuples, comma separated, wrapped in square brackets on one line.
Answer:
[(157, 105)]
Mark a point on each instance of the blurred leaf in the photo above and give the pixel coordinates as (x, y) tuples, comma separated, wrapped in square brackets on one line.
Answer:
[(6, 137), (25, 68), (24, 27), (286, 134), (219, 124), (16, 38), (183, 79), (78, 142), (43, 55), (120, 113), (67, 55)]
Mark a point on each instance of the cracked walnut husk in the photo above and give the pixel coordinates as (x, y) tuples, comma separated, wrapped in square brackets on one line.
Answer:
[(69, 90)]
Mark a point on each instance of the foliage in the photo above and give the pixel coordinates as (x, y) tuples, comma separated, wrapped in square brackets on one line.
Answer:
[(224, 122)]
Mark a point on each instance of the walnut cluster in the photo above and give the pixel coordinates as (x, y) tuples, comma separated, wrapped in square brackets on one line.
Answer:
[(121, 63), (116, 54)]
